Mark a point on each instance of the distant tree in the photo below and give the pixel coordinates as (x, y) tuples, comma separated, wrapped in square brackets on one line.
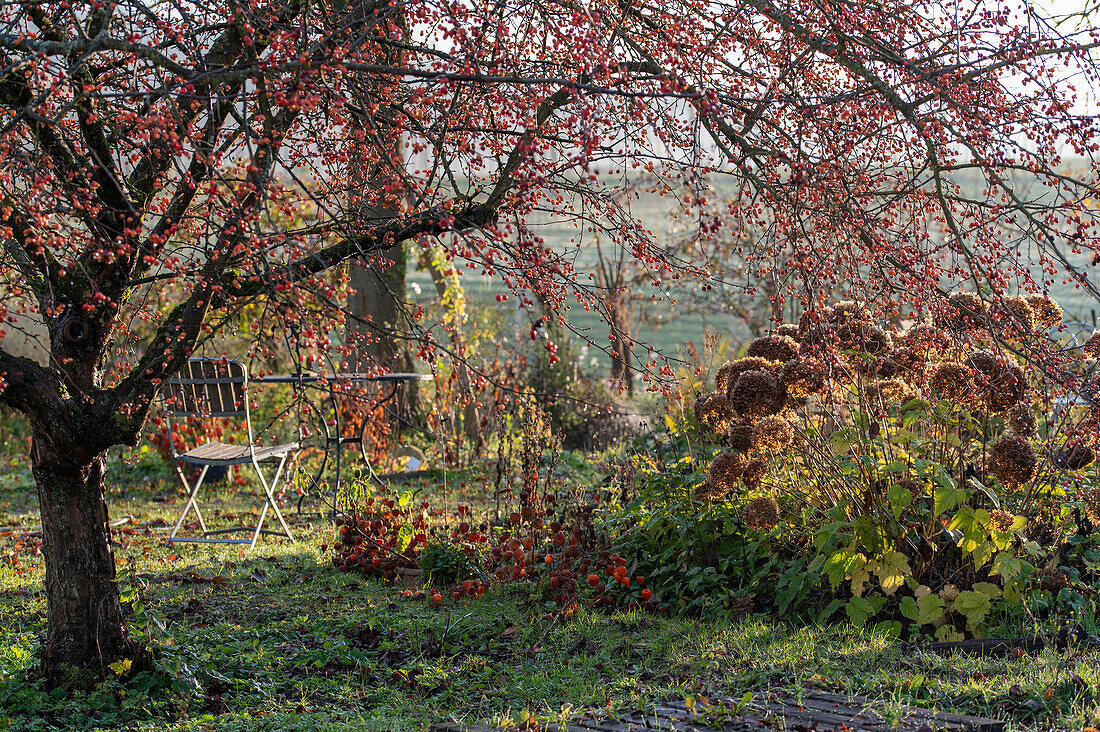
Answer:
[(147, 151)]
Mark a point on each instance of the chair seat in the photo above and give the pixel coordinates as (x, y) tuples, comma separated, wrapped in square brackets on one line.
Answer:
[(221, 453)]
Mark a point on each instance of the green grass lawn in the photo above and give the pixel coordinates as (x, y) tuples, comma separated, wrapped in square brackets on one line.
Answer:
[(278, 639)]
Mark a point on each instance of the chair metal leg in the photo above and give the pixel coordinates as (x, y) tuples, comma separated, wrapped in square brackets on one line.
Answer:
[(193, 491), (270, 501)]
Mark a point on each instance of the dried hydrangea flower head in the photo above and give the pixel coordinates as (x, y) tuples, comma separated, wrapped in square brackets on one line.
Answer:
[(910, 365), (774, 348), (1012, 461), (811, 317), (1092, 345), (863, 336), (754, 472), (925, 341), (739, 437), (1090, 497), (1001, 384), (1021, 420), (1001, 520), (1050, 579), (761, 513), (729, 371), (755, 394), (963, 311), (1014, 315), (706, 491), (725, 471), (1047, 312), (951, 381), (713, 411), (771, 434), (886, 367), (802, 378), (813, 325), (1073, 455), (889, 391), (848, 311), (788, 330)]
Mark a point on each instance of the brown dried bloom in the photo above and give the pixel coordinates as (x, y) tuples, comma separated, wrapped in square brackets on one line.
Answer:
[(887, 367), (1001, 519), (713, 411), (771, 434), (788, 330), (739, 437), (1090, 497), (1074, 455), (951, 381), (754, 472), (802, 378), (730, 370), (755, 394), (863, 336), (964, 311), (910, 364), (1016, 314), (1021, 420), (726, 469), (925, 340), (1092, 345), (848, 311), (813, 325), (1047, 312), (706, 491), (890, 391), (774, 348), (1001, 383), (761, 513), (1012, 461), (1050, 579)]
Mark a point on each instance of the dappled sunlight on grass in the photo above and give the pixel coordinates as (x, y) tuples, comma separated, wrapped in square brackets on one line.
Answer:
[(280, 639)]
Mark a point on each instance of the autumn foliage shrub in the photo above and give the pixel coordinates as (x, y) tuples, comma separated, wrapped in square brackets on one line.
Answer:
[(929, 478), (541, 535)]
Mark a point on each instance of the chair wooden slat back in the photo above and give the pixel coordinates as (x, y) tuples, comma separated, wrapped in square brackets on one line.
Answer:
[(212, 387)]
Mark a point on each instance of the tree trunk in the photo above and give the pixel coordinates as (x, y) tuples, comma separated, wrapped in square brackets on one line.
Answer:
[(377, 303), (86, 630), (620, 315)]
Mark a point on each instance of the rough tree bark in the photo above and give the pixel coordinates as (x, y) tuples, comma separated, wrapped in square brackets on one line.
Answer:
[(84, 612), (377, 305)]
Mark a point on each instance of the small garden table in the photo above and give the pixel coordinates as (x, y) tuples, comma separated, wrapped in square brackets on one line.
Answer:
[(334, 441)]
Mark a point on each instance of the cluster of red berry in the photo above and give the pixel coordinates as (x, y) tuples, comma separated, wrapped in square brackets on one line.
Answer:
[(382, 538)]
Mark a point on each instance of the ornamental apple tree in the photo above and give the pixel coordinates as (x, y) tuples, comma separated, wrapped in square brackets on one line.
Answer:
[(162, 164)]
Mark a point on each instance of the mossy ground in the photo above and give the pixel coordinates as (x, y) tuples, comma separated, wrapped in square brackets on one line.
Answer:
[(278, 639)]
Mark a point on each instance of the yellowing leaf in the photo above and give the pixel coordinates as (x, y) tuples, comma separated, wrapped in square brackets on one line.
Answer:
[(974, 605), (930, 609), (947, 497), (859, 610), (892, 571), (860, 571), (120, 667)]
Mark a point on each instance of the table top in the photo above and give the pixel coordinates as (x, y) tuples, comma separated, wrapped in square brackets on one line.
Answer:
[(311, 377)]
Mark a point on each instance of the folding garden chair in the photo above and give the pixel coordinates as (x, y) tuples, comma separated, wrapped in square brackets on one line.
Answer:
[(213, 387)]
